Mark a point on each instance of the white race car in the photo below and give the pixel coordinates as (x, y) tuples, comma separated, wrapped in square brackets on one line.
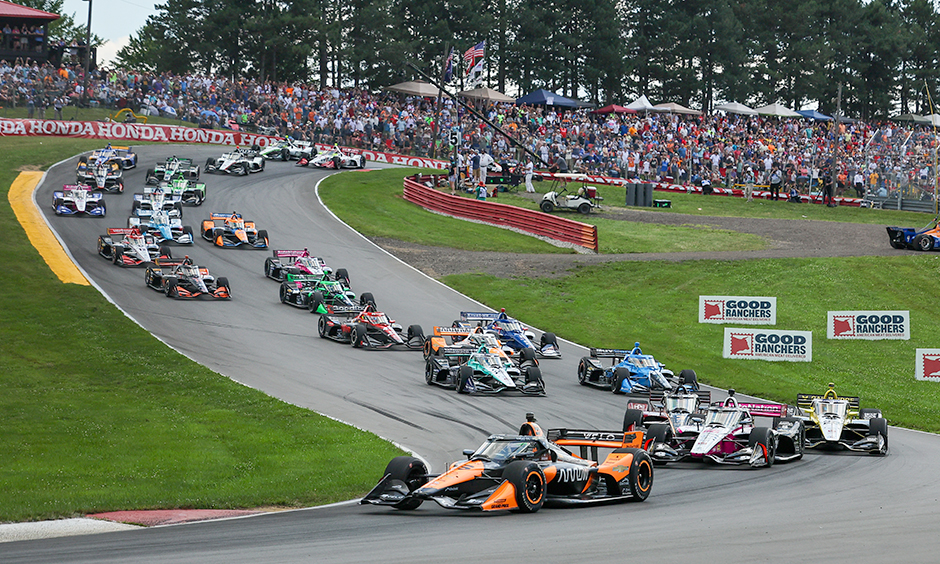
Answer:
[(836, 422), (288, 149), (239, 161), (146, 205), (334, 158), (164, 228), (78, 199)]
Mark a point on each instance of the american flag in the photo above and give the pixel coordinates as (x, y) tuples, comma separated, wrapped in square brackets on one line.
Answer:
[(471, 55)]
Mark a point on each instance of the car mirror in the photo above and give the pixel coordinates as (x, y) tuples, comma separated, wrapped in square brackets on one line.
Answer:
[(468, 452)]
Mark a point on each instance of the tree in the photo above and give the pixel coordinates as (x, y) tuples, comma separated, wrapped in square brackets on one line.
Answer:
[(65, 27)]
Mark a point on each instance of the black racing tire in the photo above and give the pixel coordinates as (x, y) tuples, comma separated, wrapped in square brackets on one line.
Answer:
[(321, 327), (269, 268), (256, 147), (282, 293), (527, 354), (366, 299), (216, 233), (222, 282), (620, 375), (210, 164), (285, 154), (245, 169), (135, 205), (632, 420), (464, 375), (660, 433), (429, 372), (528, 481), (315, 301), (170, 288), (427, 349), (178, 206), (879, 426), (549, 339), (640, 478), (534, 375), (547, 206), (688, 378), (923, 243), (413, 473), (337, 164), (897, 244), (263, 235), (188, 230), (261, 166), (415, 331), (584, 208), (56, 203), (358, 335), (151, 176), (583, 369), (166, 251), (342, 275), (765, 438), (117, 255), (362, 162)]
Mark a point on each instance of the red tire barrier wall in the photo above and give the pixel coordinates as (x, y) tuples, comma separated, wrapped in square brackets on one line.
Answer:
[(535, 222)]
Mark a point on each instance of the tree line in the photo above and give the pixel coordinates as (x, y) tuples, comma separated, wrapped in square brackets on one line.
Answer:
[(699, 53)]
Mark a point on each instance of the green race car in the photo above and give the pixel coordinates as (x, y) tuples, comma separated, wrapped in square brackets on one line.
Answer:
[(318, 294)]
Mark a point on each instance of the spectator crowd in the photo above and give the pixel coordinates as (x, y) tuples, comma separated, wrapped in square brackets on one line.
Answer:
[(874, 157)]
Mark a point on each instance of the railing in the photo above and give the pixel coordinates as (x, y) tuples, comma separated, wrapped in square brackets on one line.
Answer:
[(530, 221)]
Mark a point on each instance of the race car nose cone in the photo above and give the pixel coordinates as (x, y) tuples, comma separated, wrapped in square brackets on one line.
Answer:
[(242, 236)]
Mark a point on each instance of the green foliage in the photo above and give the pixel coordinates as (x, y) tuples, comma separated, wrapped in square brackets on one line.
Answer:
[(98, 415), (656, 304)]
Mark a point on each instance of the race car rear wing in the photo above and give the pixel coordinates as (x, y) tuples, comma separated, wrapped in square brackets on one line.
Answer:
[(595, 439), (704, 397), (219, 215), (70, 187), (478, 316), (346, 310), (456, 351), (286, 253), (609, 353), (121, 230), (805, 401), (452, 331)]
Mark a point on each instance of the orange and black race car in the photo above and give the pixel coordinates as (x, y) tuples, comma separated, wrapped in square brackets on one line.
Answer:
[(524, 472)]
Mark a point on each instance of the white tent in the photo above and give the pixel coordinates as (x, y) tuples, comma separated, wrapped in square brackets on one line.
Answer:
[(778, 110), (642, 104), (934, 119), (415, 88), (675, 108), (736, 108)]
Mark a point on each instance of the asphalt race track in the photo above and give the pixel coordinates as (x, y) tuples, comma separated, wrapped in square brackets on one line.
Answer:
[(831, 506)]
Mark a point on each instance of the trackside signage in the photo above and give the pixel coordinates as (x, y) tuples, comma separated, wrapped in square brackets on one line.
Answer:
[(768, 344), (871, 325), (747, 310), (927, 365)]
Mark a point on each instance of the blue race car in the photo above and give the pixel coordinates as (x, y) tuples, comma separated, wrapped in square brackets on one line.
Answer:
[(635, 373), (925, 239), (78, 199), (165, 229), (511, 332)]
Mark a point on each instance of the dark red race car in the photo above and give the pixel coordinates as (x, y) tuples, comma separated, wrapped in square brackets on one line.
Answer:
[(363, 326)]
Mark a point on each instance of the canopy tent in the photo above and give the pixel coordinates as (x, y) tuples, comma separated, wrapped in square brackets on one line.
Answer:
[(545, 98), (613, 109), (736, 108), (934, 119), (778, 110), (813, 114), (415, 88), (674, 108), (486, 94), (914, 118), (641, 104)]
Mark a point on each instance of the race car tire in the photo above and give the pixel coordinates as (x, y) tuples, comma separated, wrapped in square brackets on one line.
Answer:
[(321, 326), (56, 203), (549, 339), (135, 206), (464, 375), (415, 331), (166, 252), (222, 282), (528, 481), (342, 276), (620, 376), (261, 166), (583, 370), (764, 437), (534, 376), (282, 294), (428, 371), (269, 268), (117, 254), (362, 162), (243, 171), (897, 244), (336, 163), (640, 478), (256, 147), (83, 159), (413, 473), (263, 235), (210, 164), (923, 242), (169, 288), (659, 433), (151, 176), (547, 206), (188, 230), (527, 355), (687, 377), (315, 301), (196, 176), (632, 420), (584, 209), (178, 206), (358, 335), (426, 349), (879, 426), (217, 232), (285, 155), (366, 299)]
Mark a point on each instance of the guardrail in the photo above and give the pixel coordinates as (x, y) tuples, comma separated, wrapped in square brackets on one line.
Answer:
[(904, 204), (530, 221)]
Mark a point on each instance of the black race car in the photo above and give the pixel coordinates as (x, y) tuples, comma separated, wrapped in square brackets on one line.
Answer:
[(183, 279)]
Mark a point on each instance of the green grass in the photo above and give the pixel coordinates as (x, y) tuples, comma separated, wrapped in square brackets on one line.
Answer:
[(372, 203), (73, 113), (656, 303), (98, 415)]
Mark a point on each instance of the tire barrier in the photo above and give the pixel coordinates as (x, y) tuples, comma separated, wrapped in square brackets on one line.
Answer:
[(417, 191)]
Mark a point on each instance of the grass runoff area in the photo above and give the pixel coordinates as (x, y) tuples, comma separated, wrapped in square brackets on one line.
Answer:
[(656, 303), (372, 203), (98, 415)]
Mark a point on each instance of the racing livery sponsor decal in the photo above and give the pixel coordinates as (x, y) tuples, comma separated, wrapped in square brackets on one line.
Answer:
[(870, 325), (747, 310), (768, 344), (928, 365)]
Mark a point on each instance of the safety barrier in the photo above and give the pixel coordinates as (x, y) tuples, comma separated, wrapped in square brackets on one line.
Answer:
[(418, 192)]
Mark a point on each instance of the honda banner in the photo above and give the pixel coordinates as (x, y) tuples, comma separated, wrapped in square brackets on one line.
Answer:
[(768, 344), (927, 365), (747, 310), (869, 325)]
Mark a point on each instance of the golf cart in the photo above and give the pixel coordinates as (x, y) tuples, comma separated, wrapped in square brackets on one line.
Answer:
[(584, 200)]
